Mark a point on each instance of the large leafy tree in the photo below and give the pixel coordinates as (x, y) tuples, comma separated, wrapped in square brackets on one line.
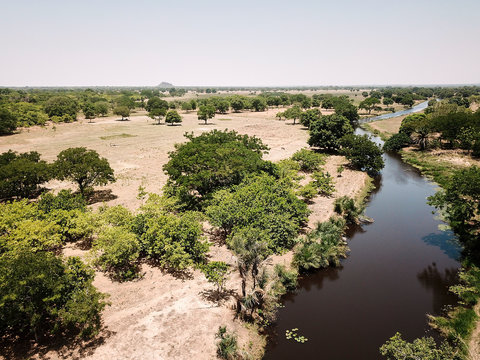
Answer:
[(42, 294), (369, 104), (84, 167), (362, 152), (214, 160), (22, 174), (123, 111), (206, 112), (63, 107), (309, 116), (173, 117), (8, 123), (326, 132), (89, 111), (294, 113)]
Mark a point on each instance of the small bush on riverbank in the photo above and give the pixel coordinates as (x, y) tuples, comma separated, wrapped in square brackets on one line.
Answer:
[(227, 346)]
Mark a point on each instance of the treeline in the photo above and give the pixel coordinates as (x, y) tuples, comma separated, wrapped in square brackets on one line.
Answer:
[(444, 125)]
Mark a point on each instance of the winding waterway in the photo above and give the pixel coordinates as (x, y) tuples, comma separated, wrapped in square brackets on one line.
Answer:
[(399, 269)]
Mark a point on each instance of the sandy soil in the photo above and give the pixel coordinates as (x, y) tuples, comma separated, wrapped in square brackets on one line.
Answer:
[(389, 126), (161, 316)]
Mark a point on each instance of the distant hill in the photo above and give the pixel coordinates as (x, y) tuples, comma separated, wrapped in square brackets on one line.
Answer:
[(164, 84)]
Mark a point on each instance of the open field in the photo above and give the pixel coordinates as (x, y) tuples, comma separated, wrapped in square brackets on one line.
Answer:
[(161, 316)]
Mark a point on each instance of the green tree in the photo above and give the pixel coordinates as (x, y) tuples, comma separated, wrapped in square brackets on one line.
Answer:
[(126, 101), (259, 104), (309, 160), (8, 123), (62, 107), (293, 113), (397, 142), (89, 111), (42, 294), (216, 272), (369, 103), (101, 108), (237, 104), (362, 153), (22, 174), (173, 117), (326, 132), (214, 160), (123, 111), (84, 167), (206, 112)]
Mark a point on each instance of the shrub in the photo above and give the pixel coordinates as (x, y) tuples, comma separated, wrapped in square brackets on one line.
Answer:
[(227, 346), (288, 278), (173, 241), (215, 272), (309, 160), (397, 142), (22, 174), (323, 182), (262, 202), (348, 209), (424, 348), (309, 191), (41, 294), (64, 200), (117, 250), (62, 107), (322, 247)]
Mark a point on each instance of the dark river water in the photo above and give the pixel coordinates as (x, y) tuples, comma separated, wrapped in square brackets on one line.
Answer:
[(399, 269)]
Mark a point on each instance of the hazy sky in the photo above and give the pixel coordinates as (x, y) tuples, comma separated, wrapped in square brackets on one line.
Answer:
[(242, 42)]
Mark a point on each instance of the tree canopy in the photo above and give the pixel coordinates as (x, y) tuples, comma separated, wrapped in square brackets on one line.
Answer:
[(362, 152), (84, 167), (326, 132)]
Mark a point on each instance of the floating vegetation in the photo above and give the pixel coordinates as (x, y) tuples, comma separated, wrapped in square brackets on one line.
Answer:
[(292, 334)]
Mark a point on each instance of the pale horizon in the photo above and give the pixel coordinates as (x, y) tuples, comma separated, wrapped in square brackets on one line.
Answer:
[(216, 44)]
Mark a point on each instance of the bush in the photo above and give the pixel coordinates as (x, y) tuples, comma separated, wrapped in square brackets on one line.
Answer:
[(64, 200), (323, 182), (288, 278), (215, 272), (322, 247), (22, 174), (348, 209), (262, 202), (309, 160), (227, 346), (397, 142), (117, 250), (309, 191), (41, 294), (362, 152), (173, 241), (8, 122), (62, 107)]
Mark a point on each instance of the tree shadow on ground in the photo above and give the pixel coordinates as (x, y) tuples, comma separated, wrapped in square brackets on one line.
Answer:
[(182, 274), (217, 297), (210, 123), (217, 236), (65, 346), (101, 196)]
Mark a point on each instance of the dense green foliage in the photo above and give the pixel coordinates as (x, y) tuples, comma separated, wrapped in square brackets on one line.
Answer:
[(214, 160), (42, 294), (84, 167), (216, 272), (260, 202), (325, 133), (362, 153), (322, 247), (396, 142), (22, 174), (424, 348), (348, 209), (206, 112), (309, 160), (173, 117), (8, 123), (62, 108)]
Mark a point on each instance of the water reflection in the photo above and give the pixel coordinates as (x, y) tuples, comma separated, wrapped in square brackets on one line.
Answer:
[(437, 282), (445, 241)]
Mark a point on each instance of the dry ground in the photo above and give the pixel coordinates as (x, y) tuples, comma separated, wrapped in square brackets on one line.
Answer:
[(388, 126), (161, 316)]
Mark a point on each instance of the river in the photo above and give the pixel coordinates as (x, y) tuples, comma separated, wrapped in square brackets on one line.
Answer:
[(398, 271)]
